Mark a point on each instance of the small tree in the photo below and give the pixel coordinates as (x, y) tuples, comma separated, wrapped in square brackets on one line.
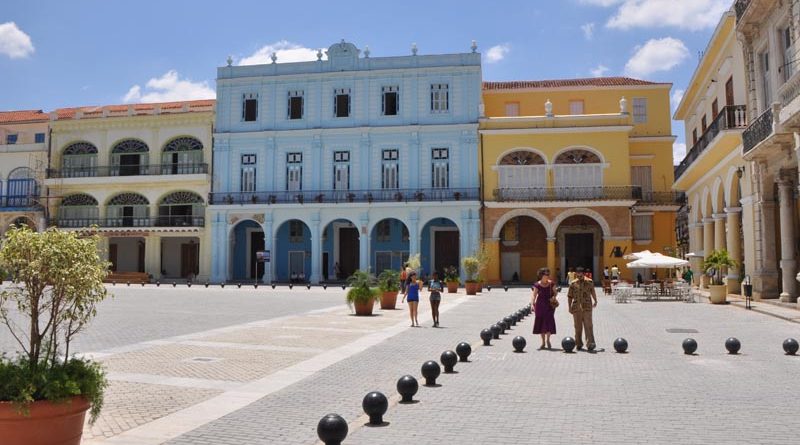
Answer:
[(471, 267), (389, 280), (715, 262), (361, 290), (414, 262)]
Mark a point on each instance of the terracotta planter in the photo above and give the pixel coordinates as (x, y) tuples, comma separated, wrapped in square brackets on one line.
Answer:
[(452, 287), (364, 308), (472, 288), (389, 300), (717, 294), (47, 424)]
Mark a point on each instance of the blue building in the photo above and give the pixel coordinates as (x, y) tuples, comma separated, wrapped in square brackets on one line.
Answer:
[(348, 162)]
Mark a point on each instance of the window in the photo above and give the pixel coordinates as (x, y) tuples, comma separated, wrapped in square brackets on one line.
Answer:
[(704, 123), (639, 110), (788, 62), (440, 98), (38, 138), (642, 177), (642, 227), (248, 173), (296, 231), (341, 170), (390, 102), (512, 108), (694, 136), (11, 139), (440, 168), (384, 231), (714, 109), (766, 85), (341, 102), (294, 171), (250, 107), (390, 169), (575, 107), (295, 104)]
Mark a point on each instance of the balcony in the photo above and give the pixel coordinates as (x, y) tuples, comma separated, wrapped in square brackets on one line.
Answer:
[(591, 193), (662, 199), (345, 196), (18, 202), (730, 118), (740, 6), (130, 222), (751, 15), (128, 170)]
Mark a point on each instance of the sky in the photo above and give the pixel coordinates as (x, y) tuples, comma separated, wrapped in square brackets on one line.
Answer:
[(96, 52)]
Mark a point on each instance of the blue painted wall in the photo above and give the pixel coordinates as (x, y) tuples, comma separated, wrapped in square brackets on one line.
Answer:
[(283, 247), (241, 255)]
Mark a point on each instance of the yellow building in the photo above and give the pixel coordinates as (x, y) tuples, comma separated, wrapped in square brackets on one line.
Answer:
[(140, 174), (575, 173)]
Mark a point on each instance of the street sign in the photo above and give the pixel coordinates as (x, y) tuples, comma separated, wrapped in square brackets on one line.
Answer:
[(263, 256)]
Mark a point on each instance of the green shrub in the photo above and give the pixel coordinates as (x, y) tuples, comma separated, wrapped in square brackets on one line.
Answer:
[(361, 288), (389, 280), (471, 267)]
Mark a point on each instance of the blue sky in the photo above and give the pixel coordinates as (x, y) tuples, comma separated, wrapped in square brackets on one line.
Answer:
[(95, 52)]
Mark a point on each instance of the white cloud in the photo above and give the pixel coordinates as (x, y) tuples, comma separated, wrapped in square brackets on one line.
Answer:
[(656, 55), (497, 53), (14, 42), (286, 51), (169, 88), (678, 152), (588, 30), (691, 15), (677, 96), (599, 71)]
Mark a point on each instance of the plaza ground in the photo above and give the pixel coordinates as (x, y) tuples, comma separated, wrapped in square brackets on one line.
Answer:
[(262, 366)]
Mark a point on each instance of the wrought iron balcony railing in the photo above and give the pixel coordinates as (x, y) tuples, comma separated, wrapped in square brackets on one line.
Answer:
[(759, 130), (740, 7), (345, 196), (128, 170), (731, 117), (591, 193), (13, 201), (130, 222), (662, 198)]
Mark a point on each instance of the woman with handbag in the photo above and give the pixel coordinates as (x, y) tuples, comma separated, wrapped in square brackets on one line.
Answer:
[(544, 305)]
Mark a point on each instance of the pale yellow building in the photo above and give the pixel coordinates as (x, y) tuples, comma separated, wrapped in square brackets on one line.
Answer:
[(140, 176), (575, 173)]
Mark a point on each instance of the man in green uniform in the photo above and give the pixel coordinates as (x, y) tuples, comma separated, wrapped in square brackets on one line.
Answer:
[(581, 299)]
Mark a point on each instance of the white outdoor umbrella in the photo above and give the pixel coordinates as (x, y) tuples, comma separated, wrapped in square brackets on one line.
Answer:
[(657, 261), (637, 255)]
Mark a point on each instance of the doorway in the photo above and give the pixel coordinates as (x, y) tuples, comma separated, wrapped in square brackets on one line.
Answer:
[(348, 251), (129, 165), (579, 251), (190, 260), (446, 249), (256, 244)]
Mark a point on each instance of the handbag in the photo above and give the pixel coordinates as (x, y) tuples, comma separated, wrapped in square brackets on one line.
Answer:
[(553, 300)]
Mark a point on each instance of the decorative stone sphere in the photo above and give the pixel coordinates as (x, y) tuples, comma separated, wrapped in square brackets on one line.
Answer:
[(568, 344), (449, 360), (463, 349), (510, 321), (733, 345), (495, 328), (486, 336), (790, 346), (375, 405), (519, 343), (621, 345), (689, 346), (332, 429), (503, 326), (431, 370), (407, 386)]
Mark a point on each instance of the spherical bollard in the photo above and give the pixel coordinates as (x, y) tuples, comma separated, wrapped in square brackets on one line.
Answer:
[(733, 345), (488, 288), (324, 287), (486, 336), (273, 285), (790, 346), (407, 386), (222, 285), (506, 288), (431, 370), (291, 286), (495, 328), (375, 405), (308, 286), (238, 285), (206, 284), (255, 285), (332, 429), (519, 343), (449, 360), (174, 284), (464, 350), (568, 344), (189, 283), (503, 326), (509, 321), (621, 345), (689, 346)]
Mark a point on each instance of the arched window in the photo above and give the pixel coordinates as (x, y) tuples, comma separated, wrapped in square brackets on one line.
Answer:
[(181, 156), (129, 158), (578, 173), (23, 190), (24, 221), (522, 175), (181, 209), (78, 210), (79, 160), (128, 210)]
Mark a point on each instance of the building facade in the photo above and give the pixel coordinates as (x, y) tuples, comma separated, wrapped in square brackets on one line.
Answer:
[(23, 161), (139, 176), (768, 31), (348, 162), (576, 173)]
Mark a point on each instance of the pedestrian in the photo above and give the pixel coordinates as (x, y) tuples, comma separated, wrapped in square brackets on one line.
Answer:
[(615, 272), (435, 287), (688, 275), (581, 299), (412, 293), (544, 307), (403, 278), (606, 273)]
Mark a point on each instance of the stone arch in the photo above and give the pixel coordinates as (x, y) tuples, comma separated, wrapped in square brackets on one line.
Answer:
[(718, 196), (536, 157), (180, 197), (706, 203), (695, 210), (733, 188), (79, 199), (456, 221), (127, 198), (324, 223), (508, 216), (129, 145), (79, 148), (591, 154), (21, 173), (182, 143), (601, 221), (23, 220)]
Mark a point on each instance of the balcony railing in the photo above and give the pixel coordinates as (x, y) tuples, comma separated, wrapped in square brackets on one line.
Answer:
[(18, 201), (591, 193), (345, 196), (130, 221), (128, 170), (662, 198), (731, 117), (740, 7), (757, 131)]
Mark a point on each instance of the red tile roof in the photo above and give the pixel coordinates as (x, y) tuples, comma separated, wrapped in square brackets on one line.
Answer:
[(568, 83), (120, 110), (23, 116)]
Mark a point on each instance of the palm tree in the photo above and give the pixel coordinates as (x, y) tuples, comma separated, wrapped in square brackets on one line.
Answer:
[(715, 262)]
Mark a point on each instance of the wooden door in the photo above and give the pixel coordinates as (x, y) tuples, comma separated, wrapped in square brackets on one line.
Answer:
[(729, 92), (190, 260), (112, 256), (348, 251), (141, 256), (579, 251), (446, 251)]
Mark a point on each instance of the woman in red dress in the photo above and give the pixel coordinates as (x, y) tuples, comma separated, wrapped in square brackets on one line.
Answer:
[(544, 291)]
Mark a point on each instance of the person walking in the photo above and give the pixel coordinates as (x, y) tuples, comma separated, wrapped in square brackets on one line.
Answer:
[(615, 273), (606, 274), (435, 287), (403, 278), (544, 307), (688, 275), (581, 299), (412, 294)]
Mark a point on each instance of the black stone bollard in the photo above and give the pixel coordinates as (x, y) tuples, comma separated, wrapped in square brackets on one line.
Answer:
[(568, 344), (463, 349), (291, 286), (449, 360), (158, 283), (488, 288), (189, 283), (129, 283), (689, 346), (344, 286), (733, 345), (174, 284), (142, 283), (222, 285), (273, 285), (510, 321), (519, 343), (324, 287), (621, 345), (332, 429), (503, 326), (407, 386), (308, 286), (255, 285), (206, 284), (431, 370), (790, 346), (506, 288), (238, 285), (486, 336), (495, 331), (375, 405)]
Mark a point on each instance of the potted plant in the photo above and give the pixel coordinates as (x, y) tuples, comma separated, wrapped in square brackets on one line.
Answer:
[(451, 279), (389, 285), (471, 266), (414, 262), (361, 295), (483, 261), (713, 265), (56, 283)]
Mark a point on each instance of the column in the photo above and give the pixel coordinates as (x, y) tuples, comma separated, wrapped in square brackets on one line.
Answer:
[(734, 216), (788, 263), (719, 231), (696, 246), (268, 246), (708, 245), (364, 242), (413, 233), (152, 255), (219, 247), (551, 257), (316, 249)]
